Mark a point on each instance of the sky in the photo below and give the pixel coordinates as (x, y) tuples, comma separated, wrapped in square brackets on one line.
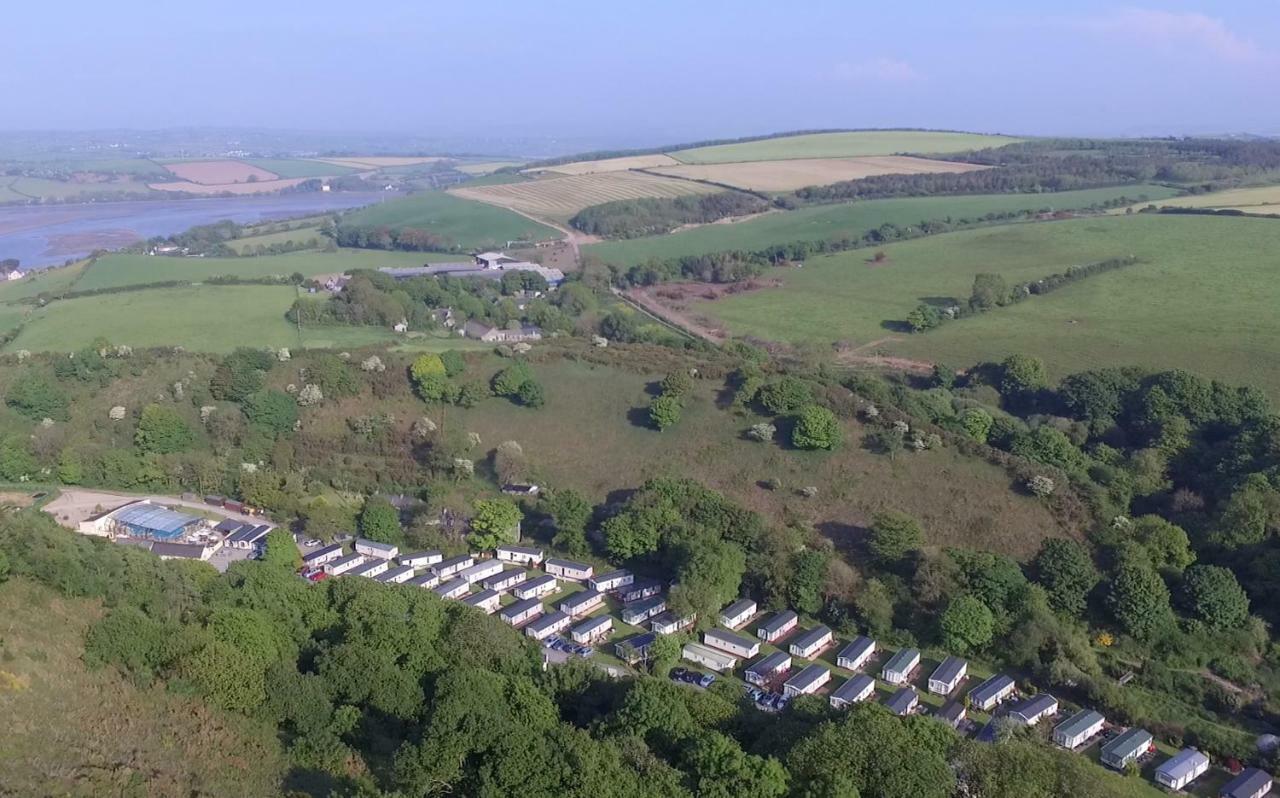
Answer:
[(636, 73)]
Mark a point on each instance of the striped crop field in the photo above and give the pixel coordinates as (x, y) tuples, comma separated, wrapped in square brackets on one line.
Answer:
[(561, 197)]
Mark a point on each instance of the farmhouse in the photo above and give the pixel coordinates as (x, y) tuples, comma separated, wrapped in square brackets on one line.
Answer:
[(486, 600), (523, 555), (592, 630), (343, 564), (1078, 728), (481, 570), (856, 654), (1251, 783), (421, 559), (952, 713), (638, 612), (1182, 768), (427, 580), (568, 569), (991, 692), (397, 575), (505, 580), (611, 581), (372, 548), (450, 567), (323, 555), (634, 649), (453, 589), (730, 642), (547, 625), (640, 589), (535, 588), (900, 666), (370, 568), (581, 603), (1130, 746), (807, 681), (708, 657), (521, 611), (903, 702), (778, 626), (811, 642), (948, 675), (766, 669), (737, 613), (666, 623), (1035, 709), (501, 335), (856, 688)]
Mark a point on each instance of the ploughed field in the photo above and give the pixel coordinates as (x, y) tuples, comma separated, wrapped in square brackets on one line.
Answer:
[(559, 198)]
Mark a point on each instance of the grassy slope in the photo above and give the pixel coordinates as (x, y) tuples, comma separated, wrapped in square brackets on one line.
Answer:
[(72, 731), (57, 189), (56, 279), (468, 224), (299, 235), (1257, 199), (297, 167), (836, 145), (833, 221)]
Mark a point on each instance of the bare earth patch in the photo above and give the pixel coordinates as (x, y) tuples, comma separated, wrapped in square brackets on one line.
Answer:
[(789, 175), (219, 172)]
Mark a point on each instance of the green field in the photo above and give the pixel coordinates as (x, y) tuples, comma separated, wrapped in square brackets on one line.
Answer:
[(298, 236), (39, 187), (299, 167), (824, 222), (52, 280), (466, 223), (1203, 298), (842, 145)]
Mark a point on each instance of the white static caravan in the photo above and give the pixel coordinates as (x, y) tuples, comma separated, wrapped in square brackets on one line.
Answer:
[(948, 675), (421, 559), (807, 681), (449, 568), (637, 612), (521, 611), (370, 568), (768, 668), (581, 603), (521, 555), (859, 687), (372, 548), (481, 570), (343, 564), (453, 590), (568, 569), (487, 600), (1035, 709), (505, 580), (856, 654), (398, 575), (899, 667), (640, 589), (737, 613), (991, 692), (738, 645), (668, 623), (592, 630), (614, 580), (717, 661), (535, 588), (778, 626), (1078, 729), (427, 581), (806, 645), (547, 625), (322, 556)]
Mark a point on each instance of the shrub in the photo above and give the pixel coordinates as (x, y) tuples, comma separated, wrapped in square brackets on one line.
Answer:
[(816, 427)]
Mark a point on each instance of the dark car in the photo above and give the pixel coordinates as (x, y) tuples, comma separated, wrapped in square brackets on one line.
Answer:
[(679, 674)]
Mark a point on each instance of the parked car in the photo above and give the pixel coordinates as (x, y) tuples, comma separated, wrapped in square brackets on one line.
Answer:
[(311, 542), (706, 680), (678, 674)]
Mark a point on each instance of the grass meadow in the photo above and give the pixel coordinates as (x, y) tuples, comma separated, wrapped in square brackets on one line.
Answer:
[(843, 145), (52, 280), (823, 222), (246, 244), (1256, 199), (470, 225)]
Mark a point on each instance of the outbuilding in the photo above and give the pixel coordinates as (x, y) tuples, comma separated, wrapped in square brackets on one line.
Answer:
[(421, 559), (1182, 768), (1031, 711), (1078, 729), (737, 613), (858, 687), (738, 645), (668, 623), (343, 564), (569, 569), (903, 702), (581, 603), (546, 625), (481, 570), (450, 567), (856, 654), (614, 580), (767, 669), (454, 589), (1128, 747), (592, 630), (536, 587), (373, 548), (807, 681), (1251, 783), (990, 693), (371, 567), (947, 676), (640, 589), (777, 627), (708, 657), (638, 612), (486, 600), (321, 556), (808, 644), (505, 580), (900, 666), (522, 555), (397, 575), (521, 611)]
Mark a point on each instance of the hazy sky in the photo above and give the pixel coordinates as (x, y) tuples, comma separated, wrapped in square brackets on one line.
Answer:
[(654, 71)]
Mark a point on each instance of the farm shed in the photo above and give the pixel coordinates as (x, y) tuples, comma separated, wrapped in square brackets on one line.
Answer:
[(1126, 748), (638, 612), (547, 625), (640, 589), (635, 648), (322, 555), (778, 626), (900, 666), (427, 580), (668, 623), (373, 548), (592, 629), (708, 657), (809, 643), (991, 692), (738, 645), (371, 568), (769, 667), (903, 702), (343, 564), (535, 588), (807, 681), (450, 567), (481, 570), (857, 688), (581, 603), (737, 613), (454, 589), (487, 600), (1035, 709), (397, 575), (568, 569), (505, 580), (524, 555), (421, 559), (521, 611), (611, 581), (947, 676), (856, 654), (1251, 783), (1078, 728), (1182, 768)]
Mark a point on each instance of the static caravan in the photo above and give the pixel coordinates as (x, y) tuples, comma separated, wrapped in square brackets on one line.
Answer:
[(521, 555), (1251, 783), (638, 612), (372, 548), (421, 559), (456, 588), (1035, 709), (990, 693), (427, 580), (856, 654), (709, 658), (546, 625), (1182, 768), (536, 587), (487, 600), (808, 644), (371, 568), (856, 688), (807, 681), (321, 556), (738, 645), (768, 668), (521, 611), (777, 627), (398, 575), (903, 702), (947, 676), (1128, 747), (668, 623), (635, 648), (952, 713), (900, 666), (592, 630), (640, 589), (737, 613), (581, 603), (481, 570), (614, 580), (446, 569), (1078, 728), (505, 580), (568, 569)]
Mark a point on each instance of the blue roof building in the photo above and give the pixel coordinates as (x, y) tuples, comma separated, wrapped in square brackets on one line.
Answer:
[(151, 522)]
